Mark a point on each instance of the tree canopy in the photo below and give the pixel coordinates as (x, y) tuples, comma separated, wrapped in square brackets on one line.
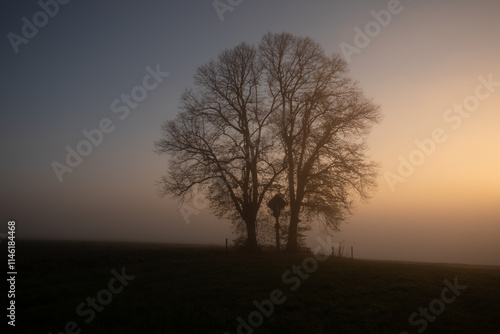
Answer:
[(282, 116)]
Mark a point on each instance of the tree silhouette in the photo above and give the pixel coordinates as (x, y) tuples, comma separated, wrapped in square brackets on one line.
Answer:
[(221, 140), (283, 117), (322, 119)]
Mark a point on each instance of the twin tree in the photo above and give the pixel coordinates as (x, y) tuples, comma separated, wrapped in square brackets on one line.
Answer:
[(281, 117)]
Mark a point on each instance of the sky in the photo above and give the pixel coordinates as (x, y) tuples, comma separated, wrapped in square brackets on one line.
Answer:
[(432, 66)]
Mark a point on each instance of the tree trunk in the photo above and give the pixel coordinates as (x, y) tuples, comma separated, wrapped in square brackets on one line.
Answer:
[(291, 245), (251, 235)]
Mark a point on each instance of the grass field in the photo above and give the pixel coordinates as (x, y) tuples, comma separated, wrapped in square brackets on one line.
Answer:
[(180, 289)]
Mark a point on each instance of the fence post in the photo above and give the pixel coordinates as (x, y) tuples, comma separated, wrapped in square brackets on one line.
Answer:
[(352, 253), (226, 245)]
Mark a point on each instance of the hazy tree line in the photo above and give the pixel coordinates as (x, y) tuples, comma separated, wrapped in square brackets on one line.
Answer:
[(278, 117)]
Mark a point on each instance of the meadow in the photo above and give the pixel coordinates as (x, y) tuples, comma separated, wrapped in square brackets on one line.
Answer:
[(98, 287)]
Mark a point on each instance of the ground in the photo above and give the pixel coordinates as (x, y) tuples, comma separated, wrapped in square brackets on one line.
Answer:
[(153, 288)]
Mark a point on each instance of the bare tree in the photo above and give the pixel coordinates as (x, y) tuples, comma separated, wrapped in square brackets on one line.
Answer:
[(221, 140), (322, 117), (280, 117)]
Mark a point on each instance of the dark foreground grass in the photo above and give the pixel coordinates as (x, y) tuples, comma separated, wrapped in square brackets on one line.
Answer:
[(180, 289)]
